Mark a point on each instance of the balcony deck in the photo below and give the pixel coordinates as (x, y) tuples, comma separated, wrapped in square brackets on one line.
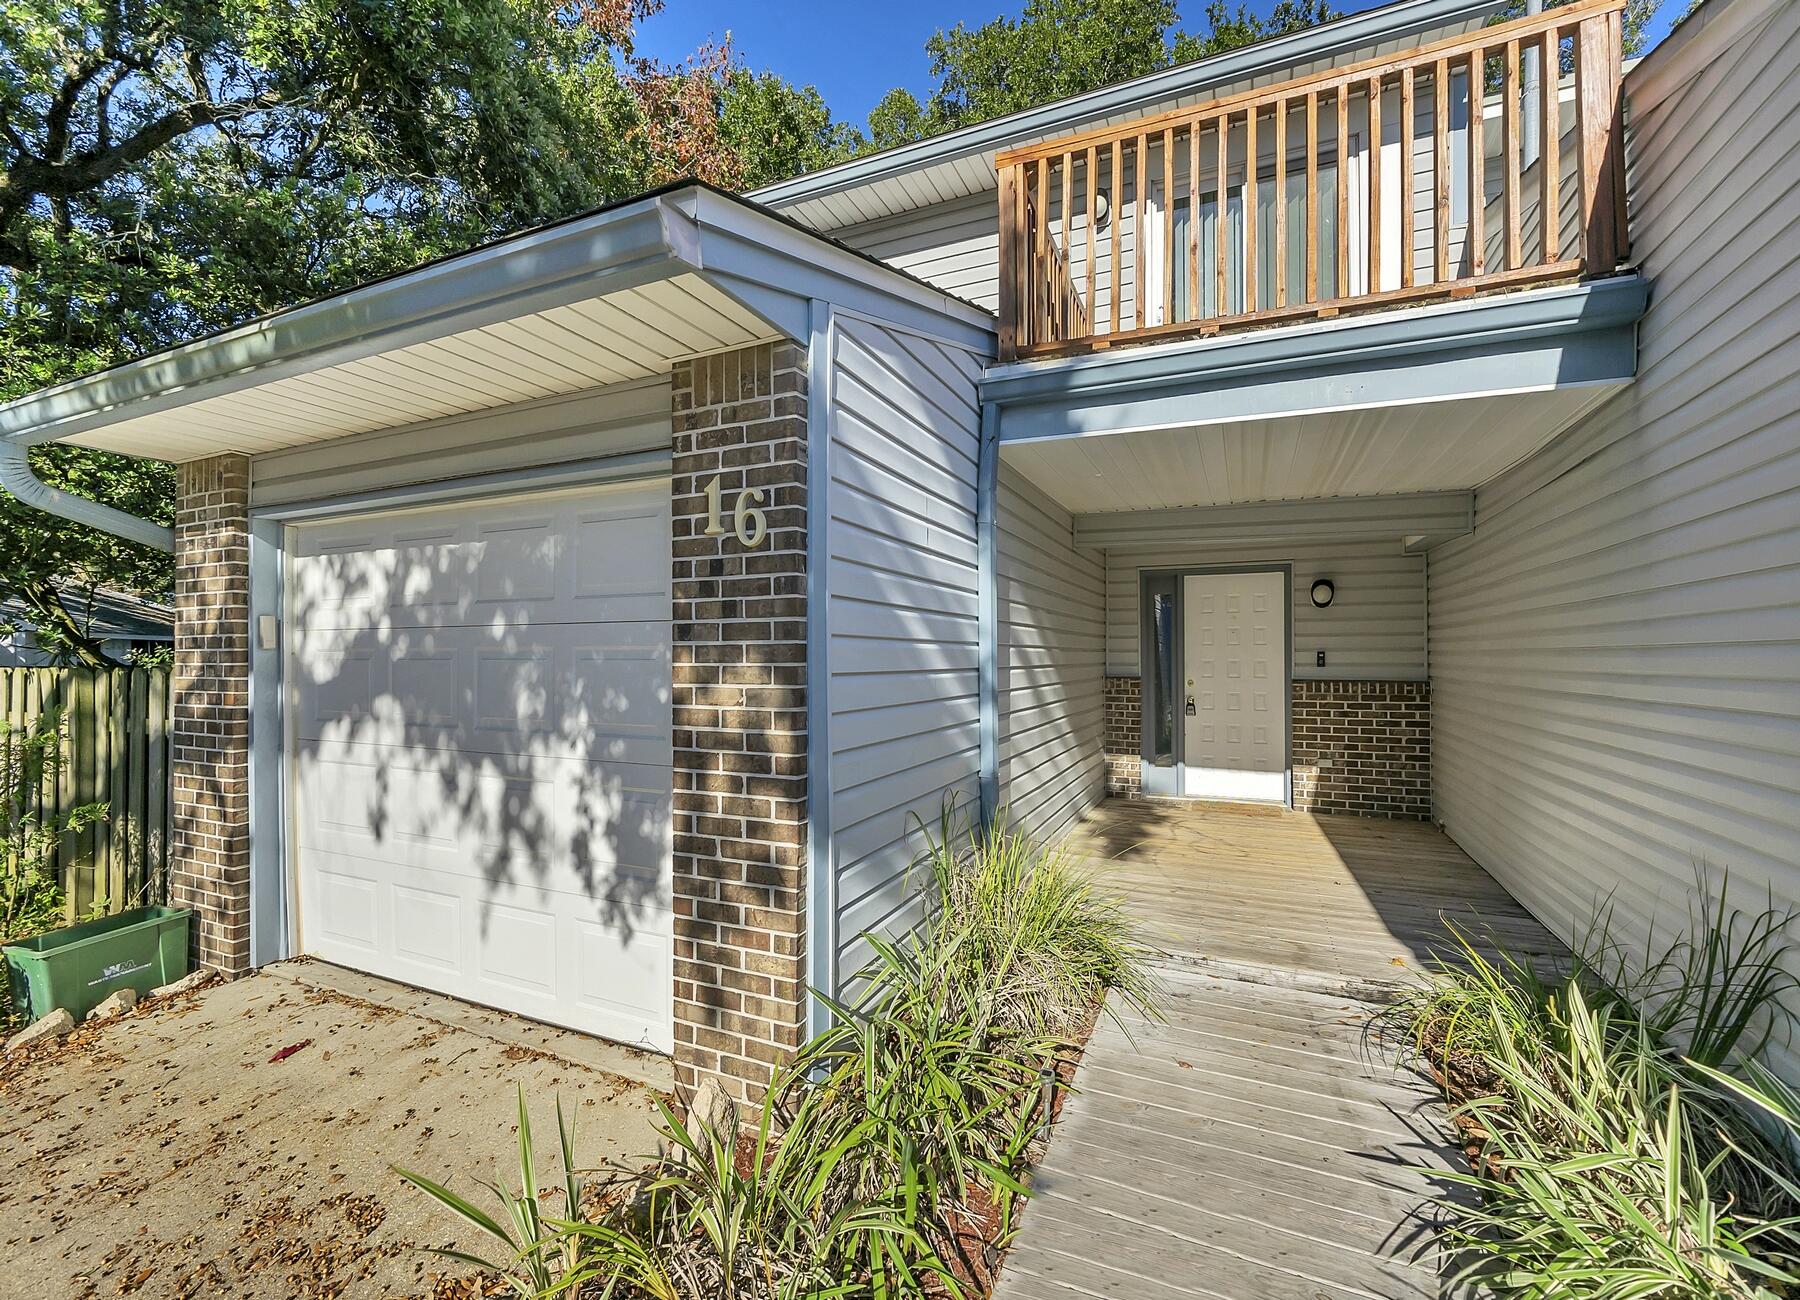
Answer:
[(1138, 232)]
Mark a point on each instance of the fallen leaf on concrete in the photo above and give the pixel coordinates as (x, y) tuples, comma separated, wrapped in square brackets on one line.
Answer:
[(289, 1050)]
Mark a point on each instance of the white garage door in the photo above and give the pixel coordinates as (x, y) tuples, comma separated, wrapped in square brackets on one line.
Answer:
[(479, 733)]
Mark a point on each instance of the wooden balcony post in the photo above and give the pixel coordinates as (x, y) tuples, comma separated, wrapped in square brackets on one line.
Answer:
[(1008, 260), (1597, 101)]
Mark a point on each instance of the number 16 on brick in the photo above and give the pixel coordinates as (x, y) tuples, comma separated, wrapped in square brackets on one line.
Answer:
[(747, 521)]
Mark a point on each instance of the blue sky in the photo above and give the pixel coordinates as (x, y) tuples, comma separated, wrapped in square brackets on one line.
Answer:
[(856, 53)]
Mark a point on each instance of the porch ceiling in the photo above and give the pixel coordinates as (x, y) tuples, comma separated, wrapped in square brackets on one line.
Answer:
[(1430, 447)]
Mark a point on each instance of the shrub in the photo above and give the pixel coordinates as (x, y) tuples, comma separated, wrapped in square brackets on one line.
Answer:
[(1027, 928), (1619, 1156), (922, 1099)]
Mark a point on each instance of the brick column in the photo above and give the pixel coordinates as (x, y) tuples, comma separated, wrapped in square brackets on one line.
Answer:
[(209, 860), (740, 720)]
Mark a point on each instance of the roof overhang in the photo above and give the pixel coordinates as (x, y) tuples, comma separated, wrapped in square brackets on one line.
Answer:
[(1422, 400), (959, 162), (619, 294)]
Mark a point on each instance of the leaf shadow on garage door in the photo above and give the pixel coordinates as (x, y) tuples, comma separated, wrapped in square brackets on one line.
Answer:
[(467, 734)]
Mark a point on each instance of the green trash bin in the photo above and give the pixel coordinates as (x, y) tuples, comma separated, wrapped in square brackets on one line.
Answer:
[(80, 966)]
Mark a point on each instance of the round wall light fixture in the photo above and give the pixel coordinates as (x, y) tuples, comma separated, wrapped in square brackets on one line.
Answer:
[(1322, 591)]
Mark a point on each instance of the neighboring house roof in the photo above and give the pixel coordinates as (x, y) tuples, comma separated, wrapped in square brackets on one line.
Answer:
[(959, 163), (108, 615)]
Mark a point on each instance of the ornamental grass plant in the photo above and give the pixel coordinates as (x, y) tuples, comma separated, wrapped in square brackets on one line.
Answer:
[(887, 1158), (1626, 1140)]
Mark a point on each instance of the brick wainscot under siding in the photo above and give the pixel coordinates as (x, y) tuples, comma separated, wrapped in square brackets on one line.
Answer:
[(740, 720), (1358, 746), (209, 850), (1363, 747)]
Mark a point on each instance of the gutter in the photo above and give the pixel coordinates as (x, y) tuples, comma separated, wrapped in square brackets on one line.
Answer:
[(16, 477)]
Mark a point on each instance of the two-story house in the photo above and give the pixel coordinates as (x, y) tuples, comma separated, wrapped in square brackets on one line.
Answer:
[(1396, 418)]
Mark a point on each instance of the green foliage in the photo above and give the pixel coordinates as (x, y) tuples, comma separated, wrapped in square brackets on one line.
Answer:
[(174, 167), (773, 130), (1058, 48), (1636, 25), (924, 1097), (1619, 1158), (1228, 30), (31, 759)]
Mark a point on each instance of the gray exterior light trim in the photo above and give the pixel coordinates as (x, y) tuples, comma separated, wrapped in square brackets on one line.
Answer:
[(1063, 116), (821, 858), (1572, 336), (16, 477)]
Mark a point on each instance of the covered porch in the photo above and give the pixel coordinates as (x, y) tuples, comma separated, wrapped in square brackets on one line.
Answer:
[(1314, 900)]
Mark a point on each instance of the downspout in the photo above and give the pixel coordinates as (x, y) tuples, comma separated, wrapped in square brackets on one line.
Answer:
[(16, 477)]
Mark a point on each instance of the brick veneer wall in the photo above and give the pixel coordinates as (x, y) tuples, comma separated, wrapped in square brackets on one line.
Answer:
[(1363, 747), (1358, 746), (1124, 730), (740, 720), (209, 865)]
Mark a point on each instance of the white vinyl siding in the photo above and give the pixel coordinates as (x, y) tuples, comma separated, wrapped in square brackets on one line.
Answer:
[(1051, 662), (1374, 629), (902, 622), (1616, 648), (954, 245), (607, 422)]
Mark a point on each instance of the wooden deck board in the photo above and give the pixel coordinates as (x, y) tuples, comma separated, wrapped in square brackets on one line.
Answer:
[(1262, 1140), (1351, 898)]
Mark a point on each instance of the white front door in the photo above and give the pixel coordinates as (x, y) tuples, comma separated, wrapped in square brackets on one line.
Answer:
[(481, 749), (1234, 692)]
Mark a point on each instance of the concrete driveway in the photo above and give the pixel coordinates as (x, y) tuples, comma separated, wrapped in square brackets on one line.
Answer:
[(166, 1154)]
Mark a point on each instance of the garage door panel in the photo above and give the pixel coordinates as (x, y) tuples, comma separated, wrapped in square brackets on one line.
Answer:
[(508, 567), (590, 963), (480, 722), (578, 828), (576, 692)]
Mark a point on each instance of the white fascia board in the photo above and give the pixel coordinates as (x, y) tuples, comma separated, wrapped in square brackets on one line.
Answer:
[(634, 243), (1532, 341), (1349, 34), (778, 268)]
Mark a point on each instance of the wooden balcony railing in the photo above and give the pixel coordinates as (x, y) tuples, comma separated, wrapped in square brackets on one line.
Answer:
[(1270, 206)]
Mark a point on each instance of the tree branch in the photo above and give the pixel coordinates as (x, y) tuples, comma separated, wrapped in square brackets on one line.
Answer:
[(45, 179)]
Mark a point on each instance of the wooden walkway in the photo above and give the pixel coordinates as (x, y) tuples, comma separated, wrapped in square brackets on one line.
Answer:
[(1261, 1141)]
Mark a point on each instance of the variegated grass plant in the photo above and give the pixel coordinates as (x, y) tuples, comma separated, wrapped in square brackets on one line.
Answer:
[(918, 1105), (1620, 1155)]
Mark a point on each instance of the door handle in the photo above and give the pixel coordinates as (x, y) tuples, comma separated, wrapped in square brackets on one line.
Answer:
[(1190, 706)]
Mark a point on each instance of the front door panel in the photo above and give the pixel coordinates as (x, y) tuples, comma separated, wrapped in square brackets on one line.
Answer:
[(1234, 693)]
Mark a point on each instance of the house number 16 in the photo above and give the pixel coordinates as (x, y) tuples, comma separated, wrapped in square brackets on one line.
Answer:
[(747, 520)]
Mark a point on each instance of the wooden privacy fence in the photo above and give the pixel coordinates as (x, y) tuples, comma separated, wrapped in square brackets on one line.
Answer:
[(1394, 180), (116, 751)]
